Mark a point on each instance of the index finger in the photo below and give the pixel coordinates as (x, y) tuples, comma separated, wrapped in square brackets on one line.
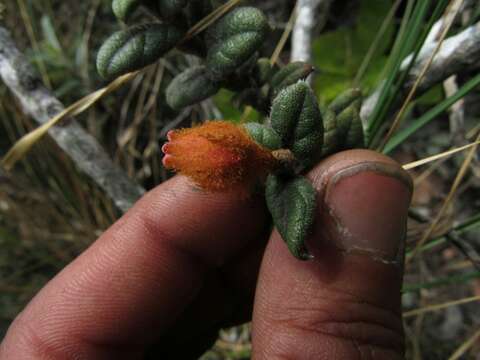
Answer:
[(135, 280)]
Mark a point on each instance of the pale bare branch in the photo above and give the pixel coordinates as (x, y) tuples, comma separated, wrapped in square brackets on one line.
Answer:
[(456, 55), (38, 102), (310, 14)]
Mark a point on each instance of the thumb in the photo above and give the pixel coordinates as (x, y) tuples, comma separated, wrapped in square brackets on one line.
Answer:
[(344, 304)]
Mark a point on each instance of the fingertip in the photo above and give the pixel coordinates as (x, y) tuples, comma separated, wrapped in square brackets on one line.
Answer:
[(363, 199), (346, 300), (143, 272)]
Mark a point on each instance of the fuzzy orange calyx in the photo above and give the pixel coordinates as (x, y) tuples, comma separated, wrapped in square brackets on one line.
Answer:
[(218, 156)]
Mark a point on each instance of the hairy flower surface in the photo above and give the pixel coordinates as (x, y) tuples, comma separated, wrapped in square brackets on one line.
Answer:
[(218, 156)]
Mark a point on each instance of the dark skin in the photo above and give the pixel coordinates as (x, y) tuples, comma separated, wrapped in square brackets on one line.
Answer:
[(182, 264)]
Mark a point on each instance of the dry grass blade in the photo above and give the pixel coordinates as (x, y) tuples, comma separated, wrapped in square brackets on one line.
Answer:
[(411, 94), (22, 146), (439, 306), (461, 174), (210, 18), (283, 39), (473, 131), (376, 42), (465, 346), (440, 156)]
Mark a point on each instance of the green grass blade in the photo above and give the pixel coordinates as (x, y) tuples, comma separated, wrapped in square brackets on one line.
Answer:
[(455, 279), (394, 61), (472, 223), (375, 44), (417, 124), (412, 42)]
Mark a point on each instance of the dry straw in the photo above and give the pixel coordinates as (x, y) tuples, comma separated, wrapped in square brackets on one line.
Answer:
[(440, 156), (466, 346), (453, 190), (432, 308), (423, 72)]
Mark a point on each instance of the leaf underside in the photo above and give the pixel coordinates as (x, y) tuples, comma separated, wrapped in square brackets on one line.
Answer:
[(292, 203), (264, 135), (191, 86)]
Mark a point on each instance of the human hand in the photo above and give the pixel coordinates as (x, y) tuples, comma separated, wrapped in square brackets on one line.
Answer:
[(182, 264)]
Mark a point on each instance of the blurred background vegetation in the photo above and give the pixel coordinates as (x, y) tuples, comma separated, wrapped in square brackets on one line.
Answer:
[(50, 212)]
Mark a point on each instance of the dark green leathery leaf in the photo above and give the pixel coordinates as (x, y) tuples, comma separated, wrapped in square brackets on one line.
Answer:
[(296, 118), (356, 135), (190, 87), (331, 140), (234, 39), (349, 127), (123, 9), (343, 126), (290, 74), (292, 203), (344, 121), (135, 48), (264, 135), (345, 99)]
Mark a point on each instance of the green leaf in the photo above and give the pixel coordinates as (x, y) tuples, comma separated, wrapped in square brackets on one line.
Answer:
[(345, 99), (223, 101), (431, 115), (190, 87), (349, 127), (50, 34), (235, 38), (296, 118), (343, 126), (123, 9), (354, 136), (135, 48), (339, 53), (264, 135), (289, 75), (292, 203), (331, 139)]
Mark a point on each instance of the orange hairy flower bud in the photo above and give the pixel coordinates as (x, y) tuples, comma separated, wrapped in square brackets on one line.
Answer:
[(218, 156)]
